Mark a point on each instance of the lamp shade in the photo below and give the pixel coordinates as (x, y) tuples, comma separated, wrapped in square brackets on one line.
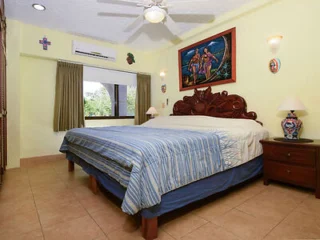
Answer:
[(152, 111), (291, 103), (154, 14)]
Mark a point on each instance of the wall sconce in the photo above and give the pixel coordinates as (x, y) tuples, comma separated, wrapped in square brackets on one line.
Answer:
[(274, 42), (162, 75)]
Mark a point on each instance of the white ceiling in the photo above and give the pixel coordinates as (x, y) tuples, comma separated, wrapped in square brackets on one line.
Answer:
[(81, 17)]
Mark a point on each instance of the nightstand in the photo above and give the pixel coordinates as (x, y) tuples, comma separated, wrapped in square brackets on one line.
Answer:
[(295, 163)]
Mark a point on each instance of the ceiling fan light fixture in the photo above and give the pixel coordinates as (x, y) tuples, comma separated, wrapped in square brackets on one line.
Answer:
[(38, 7), (154, 14)]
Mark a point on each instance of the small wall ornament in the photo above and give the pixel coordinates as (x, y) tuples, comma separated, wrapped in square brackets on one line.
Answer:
[(45, 43), (130, 58), (274, 65), (163, 88)]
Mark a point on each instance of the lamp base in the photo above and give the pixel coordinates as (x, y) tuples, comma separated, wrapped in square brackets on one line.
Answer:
[(291, 126)]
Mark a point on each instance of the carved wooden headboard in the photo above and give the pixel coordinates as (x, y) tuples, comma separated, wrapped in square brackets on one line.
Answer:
[(214, 104)]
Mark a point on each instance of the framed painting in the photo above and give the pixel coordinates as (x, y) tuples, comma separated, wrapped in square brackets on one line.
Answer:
[(211, 61)]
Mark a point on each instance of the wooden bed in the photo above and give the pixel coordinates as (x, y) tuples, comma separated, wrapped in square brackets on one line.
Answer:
[(201, 103)]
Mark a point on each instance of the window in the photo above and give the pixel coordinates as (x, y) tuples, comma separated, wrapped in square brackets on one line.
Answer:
[(108, 93)]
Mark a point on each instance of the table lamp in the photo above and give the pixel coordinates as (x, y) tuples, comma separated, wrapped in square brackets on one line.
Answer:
[(291, 124), (152, 111)]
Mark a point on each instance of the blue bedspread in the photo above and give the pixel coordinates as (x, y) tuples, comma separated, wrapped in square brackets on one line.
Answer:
[(160, 160)]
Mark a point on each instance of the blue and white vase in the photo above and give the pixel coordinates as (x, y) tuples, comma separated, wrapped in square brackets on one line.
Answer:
[(291, 126)]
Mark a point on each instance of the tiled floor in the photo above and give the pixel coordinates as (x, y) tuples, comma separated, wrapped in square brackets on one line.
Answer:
[(47, 202)]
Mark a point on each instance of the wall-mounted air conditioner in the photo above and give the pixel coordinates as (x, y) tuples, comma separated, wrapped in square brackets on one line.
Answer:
[(90, 50)]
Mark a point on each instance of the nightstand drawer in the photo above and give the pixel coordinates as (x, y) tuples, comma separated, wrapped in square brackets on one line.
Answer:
[(303, 156), (303, 176)]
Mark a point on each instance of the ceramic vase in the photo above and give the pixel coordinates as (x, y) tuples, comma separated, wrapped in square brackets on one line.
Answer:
[(291, 126)]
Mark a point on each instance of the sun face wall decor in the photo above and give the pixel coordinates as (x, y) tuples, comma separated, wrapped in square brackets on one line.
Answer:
[(274, 65)]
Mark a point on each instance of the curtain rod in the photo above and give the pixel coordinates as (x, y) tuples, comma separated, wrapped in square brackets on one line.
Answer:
[(93, 66)]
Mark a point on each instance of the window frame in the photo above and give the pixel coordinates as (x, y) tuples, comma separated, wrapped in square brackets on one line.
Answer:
[(116, 109)]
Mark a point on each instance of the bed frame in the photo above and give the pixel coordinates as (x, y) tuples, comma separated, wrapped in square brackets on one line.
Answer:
[(201, 103), (214, 105)]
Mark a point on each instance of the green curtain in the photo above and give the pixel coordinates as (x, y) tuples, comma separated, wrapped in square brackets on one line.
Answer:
[(143, 98), (69, 106)]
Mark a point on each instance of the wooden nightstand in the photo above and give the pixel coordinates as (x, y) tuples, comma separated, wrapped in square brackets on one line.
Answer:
[(295, 163)]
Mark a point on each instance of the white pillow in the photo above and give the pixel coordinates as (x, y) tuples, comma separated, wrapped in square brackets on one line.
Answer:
[(201, 122)]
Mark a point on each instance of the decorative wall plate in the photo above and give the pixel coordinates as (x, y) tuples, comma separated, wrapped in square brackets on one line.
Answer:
[(274, 65)]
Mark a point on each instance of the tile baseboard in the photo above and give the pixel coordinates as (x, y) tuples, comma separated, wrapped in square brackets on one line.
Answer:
[(30, 162)]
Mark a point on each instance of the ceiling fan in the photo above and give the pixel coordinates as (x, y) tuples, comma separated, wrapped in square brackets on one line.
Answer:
[(156, 11)]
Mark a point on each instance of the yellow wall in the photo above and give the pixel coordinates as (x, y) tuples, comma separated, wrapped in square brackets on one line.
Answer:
[(37, 102), (13, 92), (31, 87), (299, 51), (32, 73)]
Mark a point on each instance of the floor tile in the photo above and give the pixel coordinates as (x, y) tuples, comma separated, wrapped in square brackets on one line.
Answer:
[(11, 174), (245, 226), (210, 231), (15, 207), (239, 196), (57, 193), (136, 235), (297, 226), (310, 205), (83, 228), (51, 214), (50, 187), (22, 182), (181, 226), (69, 210), (40, 169), (212, 210), (61, 198), (82, 192), (20, 223), (286, 191), (97, 203), (74, 179), (21, 192), (43, 180), (270, 206), (33, 235), (114, 219), (15, 178)]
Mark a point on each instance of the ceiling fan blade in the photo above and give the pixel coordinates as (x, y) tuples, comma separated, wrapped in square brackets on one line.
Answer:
[(193, 18), (172, 26), (108, 14), (191, 1), (135, 24), (183, 2), (121, 2)]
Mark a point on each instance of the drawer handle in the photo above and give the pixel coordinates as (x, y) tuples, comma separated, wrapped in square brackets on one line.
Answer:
[(288, 171), (289, 154)]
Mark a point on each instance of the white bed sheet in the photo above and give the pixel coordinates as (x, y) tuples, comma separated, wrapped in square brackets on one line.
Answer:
[(240, 137)]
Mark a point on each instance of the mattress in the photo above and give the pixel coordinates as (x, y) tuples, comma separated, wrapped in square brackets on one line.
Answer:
[(240, 137), (181, 150)]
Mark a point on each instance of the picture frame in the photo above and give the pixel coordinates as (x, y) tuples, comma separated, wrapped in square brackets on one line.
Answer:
[(209, 62)]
